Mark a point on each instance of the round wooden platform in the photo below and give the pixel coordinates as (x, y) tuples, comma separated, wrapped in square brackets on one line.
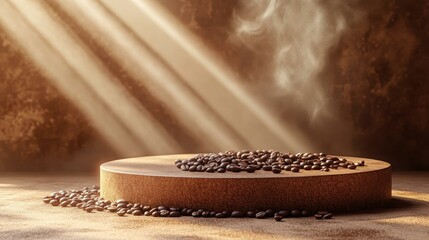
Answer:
[(156, 181)]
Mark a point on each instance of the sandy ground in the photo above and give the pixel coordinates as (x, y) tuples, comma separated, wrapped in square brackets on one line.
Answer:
[(23, 215)]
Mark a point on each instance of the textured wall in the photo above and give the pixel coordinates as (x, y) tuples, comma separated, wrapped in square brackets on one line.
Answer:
[(378, 73)]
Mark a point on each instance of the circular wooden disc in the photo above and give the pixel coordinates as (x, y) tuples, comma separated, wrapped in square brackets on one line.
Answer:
[(156, 181)]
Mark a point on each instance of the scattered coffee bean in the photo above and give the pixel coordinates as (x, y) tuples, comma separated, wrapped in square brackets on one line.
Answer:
[(237, 214), (137, 213), (89, 199), (304, 213), (269, 213), (284, 213), (322, 212), (54, 202), (196, 214), (351, 167), (251, 214), (164, 213), (175, 214), (323, 215), (278, 217), (205, 214), (155, 214), (295, 213), (260, 214)]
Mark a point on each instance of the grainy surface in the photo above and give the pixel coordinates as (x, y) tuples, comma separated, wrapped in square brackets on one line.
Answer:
[(23, 215), (157, 181)]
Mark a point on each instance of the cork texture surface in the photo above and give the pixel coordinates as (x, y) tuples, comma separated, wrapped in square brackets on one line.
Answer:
[(24, 216), (156, 181)]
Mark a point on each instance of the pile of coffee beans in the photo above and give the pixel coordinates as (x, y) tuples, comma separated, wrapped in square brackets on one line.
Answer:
[(89, 200), (266, 160)]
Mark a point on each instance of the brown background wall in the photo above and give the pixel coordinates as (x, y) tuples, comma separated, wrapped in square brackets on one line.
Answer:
[(377, 73)]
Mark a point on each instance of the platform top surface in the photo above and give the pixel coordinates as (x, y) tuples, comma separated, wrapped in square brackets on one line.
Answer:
[(163, 166)]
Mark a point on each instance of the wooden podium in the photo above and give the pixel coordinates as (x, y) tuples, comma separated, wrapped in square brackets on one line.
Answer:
[(155, 181)]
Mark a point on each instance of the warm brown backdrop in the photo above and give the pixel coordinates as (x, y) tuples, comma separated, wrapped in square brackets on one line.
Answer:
[(378, 71)]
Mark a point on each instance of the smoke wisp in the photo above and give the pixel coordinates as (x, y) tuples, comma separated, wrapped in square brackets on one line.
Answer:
[(294, 37)]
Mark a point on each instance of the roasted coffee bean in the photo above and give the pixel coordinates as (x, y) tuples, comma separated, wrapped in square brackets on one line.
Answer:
[(122, 201), (284, 213), (212, 214), (220, 215), (205, 214), (54, 202), (295, 169), (327, 216), (122, 205), (318, 216), (137, 213), (270, 213), (260, 214), (278, 217), (276, 170), (155, 213), (237, 214), (193, 169), (304, 213), (316, 167), (174, 214), (47, 200), (89, 209), (147, 213), (221, 170), (267, 168), (351, 167), (295, 213), (164, 213), (98, 208), (189, 212), (196, 214), (112, 209), (121, 213), (322, 212), (251, 214), (250, 169), (307, 167), (184, 211)]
